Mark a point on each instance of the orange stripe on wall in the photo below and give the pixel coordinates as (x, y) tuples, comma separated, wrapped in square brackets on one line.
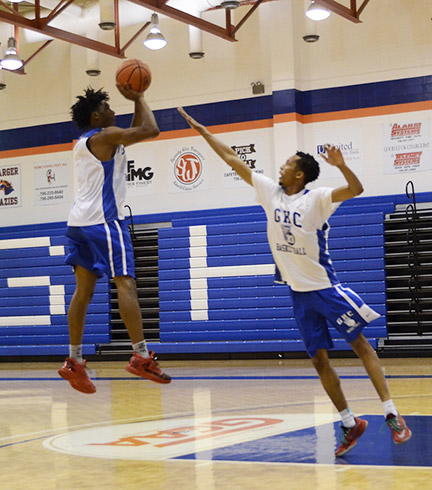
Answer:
[(367, 112), (36, 150), (220, 128)]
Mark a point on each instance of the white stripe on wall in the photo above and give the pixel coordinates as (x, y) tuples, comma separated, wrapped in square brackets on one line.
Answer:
[(59, 289), (199, 315), (57, 299), (42, 241), (198, 262), (18, 321), (198, 251), (59, 250), (57, 310), (197, 230), (199, 304), (198, 283), (18, 282), (199, 293), (198, 241), (233, 270)]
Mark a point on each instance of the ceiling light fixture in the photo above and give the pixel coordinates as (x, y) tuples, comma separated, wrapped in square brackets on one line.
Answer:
[(11, 61), (230, 4), (317, 12), (155, 39)]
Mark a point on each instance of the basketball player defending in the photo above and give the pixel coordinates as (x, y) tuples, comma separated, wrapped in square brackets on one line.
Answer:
[(99, 240), (297, 231)]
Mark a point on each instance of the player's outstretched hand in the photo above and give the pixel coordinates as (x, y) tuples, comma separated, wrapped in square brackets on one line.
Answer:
[(191, 121), (334, 156), (128, 93)]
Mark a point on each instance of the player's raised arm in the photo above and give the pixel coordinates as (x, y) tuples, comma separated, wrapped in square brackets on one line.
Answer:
[(224, 151), (354, 188)]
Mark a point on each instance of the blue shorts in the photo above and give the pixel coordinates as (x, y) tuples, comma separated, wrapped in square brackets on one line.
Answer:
[(337, 307), (102, 249)]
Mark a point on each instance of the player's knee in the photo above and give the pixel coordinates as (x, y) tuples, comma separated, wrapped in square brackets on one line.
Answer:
[(362, 347), (84, 294), (320, 361), (126, 284)]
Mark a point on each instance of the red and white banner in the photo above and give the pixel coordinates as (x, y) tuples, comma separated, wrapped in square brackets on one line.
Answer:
[(406, 147)]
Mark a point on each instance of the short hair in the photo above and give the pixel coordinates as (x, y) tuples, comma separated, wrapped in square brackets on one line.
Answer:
[(82, 110), (308, 165)]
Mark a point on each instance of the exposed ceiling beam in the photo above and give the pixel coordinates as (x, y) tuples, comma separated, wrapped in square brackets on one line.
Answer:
[(161, 8), (41, 23), (70, 37), (352, 13)]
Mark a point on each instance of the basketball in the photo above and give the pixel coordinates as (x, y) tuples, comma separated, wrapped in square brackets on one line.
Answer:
[(135, 73)]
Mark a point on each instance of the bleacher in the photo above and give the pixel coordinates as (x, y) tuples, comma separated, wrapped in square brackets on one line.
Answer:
[(217, 292), (216, 289), (35, 291)]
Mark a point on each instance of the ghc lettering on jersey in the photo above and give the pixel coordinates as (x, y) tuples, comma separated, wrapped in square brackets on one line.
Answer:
[(297, 232)]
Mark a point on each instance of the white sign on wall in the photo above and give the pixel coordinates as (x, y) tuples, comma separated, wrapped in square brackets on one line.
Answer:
[(350, 141), (51, 183), (10, 186), (406, 147), (188, 170), (140, 172), (252, 152)]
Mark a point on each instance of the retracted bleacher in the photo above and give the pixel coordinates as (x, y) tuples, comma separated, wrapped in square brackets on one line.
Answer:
[(216, 289), (216, 279), (35, 290)]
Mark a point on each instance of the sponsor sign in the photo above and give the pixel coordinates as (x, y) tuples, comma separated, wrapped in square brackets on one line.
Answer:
[(188, 170), (10, 186), (349, 140), (406, 147), (51, 183), (171, 438), (252, 152), (140, 172)]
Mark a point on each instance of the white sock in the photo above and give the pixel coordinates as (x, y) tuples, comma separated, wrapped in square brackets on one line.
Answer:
[(141, 348), (389, 408), (75, 352), (347, 418)]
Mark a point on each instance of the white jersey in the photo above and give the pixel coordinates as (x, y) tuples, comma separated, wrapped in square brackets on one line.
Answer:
[(101, 186), (297, 231)]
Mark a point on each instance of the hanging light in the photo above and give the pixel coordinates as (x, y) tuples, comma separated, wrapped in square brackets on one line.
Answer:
[(317, 12), (155, 39), (107, 15), (11, 61)]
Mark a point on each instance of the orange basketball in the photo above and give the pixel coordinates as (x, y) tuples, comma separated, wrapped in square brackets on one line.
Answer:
[(135, 73)]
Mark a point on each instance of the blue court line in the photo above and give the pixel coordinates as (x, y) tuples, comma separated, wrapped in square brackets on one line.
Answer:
[(181, 378), (22, 442)]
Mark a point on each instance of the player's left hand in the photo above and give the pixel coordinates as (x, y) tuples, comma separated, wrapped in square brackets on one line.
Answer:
[(334, 156)]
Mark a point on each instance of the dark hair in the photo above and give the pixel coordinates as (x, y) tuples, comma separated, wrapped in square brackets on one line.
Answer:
[(308, 165), (81, 111)]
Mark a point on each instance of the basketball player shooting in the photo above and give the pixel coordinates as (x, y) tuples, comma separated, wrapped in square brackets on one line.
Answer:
[(297, 232), (99, 240)]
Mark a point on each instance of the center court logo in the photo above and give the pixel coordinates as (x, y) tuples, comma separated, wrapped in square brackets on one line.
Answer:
[(170, 438)]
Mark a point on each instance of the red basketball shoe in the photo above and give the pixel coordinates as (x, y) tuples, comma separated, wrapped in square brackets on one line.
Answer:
[(400, 431), (350, 436), (147, 368), (76, 374)]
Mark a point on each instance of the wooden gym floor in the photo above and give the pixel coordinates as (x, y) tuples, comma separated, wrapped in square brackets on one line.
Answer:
[(228, 425)]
